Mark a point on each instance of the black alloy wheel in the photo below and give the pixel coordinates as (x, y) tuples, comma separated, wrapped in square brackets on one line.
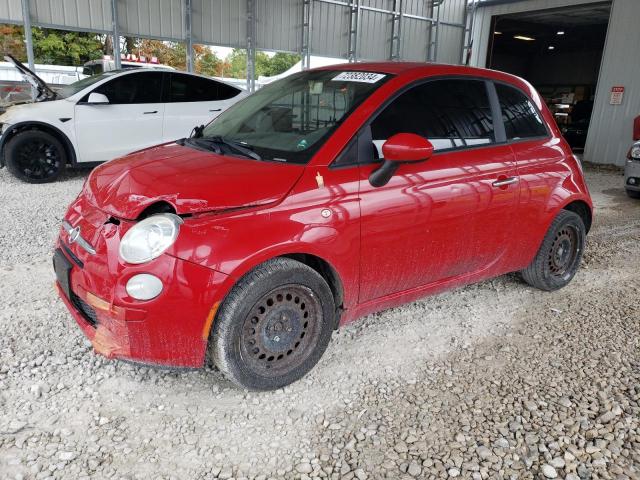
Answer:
[(35, 156)]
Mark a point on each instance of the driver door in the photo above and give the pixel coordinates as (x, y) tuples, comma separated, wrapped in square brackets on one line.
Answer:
[(441, 218), (132, 119)]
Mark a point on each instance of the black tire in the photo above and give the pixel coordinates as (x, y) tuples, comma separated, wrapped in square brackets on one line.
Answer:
[(273, 326), (633, 193), (559, 256), (35, 156)]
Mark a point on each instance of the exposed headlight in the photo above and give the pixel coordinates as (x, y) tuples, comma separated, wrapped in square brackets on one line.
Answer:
[(149, 238), (144, 286), (634, 153)]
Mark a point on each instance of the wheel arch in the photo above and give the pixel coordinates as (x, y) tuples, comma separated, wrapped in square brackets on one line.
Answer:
[(42, 126), (583, 210), (325, 268)]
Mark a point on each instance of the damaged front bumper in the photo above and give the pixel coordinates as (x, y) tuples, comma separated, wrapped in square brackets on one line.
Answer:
[(171, 329)]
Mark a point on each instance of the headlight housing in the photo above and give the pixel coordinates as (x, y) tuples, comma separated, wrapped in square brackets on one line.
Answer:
[(149, 238), (634, 153)]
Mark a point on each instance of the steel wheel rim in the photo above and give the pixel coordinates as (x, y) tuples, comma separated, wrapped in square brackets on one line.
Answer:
[(38, 160), (564, 251), (281, 330)]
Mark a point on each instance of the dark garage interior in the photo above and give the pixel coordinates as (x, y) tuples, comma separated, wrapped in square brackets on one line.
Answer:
[(559, 51)]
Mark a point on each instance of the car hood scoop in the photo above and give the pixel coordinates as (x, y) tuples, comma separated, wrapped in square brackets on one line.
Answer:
[(190, 180)]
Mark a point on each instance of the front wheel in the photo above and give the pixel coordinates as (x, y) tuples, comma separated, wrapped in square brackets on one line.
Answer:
[(274, 325), (35, 156), (558, 258)]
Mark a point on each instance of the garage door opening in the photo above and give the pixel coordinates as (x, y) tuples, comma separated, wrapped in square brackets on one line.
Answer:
[(559, 51)]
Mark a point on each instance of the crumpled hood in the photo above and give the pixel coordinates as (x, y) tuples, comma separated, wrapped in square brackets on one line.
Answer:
[(192, 181)]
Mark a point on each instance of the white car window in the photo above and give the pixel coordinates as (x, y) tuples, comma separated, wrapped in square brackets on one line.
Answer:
[(188, 88), (140, 87)]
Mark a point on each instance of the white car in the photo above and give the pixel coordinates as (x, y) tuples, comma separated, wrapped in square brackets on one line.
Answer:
[(103, 117)]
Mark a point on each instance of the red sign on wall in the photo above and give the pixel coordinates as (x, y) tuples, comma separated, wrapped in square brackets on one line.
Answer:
[(617, 94)]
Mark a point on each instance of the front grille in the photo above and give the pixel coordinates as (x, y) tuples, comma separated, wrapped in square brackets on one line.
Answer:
[(85, 309)]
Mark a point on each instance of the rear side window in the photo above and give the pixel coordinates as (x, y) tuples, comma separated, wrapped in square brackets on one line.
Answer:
[(186, 88), (141, 87), (520, 116), (449, 113)]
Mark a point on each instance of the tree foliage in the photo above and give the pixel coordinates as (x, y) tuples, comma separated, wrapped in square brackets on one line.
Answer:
[(61, 47)]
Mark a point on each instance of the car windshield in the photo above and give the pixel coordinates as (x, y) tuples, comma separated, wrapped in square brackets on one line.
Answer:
[(289, 119), (75, 87)]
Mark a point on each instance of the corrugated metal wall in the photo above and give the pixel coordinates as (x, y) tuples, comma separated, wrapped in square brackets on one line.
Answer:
[(11, 11), (219, 22), (152, 18), (610, 132), (279, 23)]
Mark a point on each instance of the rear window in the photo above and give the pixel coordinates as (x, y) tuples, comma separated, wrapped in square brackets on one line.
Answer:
[(520, 116), (187, 88)]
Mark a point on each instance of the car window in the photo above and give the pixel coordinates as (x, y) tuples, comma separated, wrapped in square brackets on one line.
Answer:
[(187, 88), (141, 87), (94, 69), (449, 113), (291, 118), (521, 118)]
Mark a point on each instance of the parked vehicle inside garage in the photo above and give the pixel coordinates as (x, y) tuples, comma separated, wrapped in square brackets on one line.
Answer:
[(103, 117), (321, 198), (632, 171)]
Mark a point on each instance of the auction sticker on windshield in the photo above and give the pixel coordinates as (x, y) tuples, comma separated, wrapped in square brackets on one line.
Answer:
[(365, 77)]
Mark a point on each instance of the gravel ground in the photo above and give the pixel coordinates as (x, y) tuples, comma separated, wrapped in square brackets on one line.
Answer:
[(494, 380)]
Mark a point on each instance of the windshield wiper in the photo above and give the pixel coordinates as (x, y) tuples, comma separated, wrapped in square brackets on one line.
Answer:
[(230, 144)]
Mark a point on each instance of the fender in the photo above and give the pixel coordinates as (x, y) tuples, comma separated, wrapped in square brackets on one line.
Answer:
[(346, 292), (18, 126)]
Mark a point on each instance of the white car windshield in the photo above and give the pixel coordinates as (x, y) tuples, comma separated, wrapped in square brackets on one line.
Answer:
[(289, 119), (75, 87)]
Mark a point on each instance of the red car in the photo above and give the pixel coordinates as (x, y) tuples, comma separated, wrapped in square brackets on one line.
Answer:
[(326, 196)]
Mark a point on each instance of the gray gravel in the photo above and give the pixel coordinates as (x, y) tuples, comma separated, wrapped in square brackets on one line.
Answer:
[(494, 380)]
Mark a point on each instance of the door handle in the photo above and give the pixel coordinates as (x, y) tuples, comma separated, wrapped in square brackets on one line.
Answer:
[(149, 113), (505, 182), (215, 110)]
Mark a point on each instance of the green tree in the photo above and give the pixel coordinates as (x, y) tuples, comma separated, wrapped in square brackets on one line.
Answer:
[(280, 63), (208, 63), (61, 47)]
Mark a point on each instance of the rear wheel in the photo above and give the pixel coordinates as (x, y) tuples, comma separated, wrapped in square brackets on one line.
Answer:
[(35, 156), (558, 258), (633, 193), (274, 325)]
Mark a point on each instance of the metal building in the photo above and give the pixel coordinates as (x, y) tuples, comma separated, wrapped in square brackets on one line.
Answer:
[(422, 30), (447, 31), (610, 132)]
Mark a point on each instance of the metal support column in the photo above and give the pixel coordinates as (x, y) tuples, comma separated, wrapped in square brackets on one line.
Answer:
[(116, 33), (28, 38), (189, 37), (354, 21), (432, 51), (251, 48), (305, 41), (396, 30), (467, 42)]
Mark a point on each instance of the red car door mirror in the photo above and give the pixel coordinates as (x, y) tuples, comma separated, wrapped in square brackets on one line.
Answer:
[(407, 147), (400, 148)]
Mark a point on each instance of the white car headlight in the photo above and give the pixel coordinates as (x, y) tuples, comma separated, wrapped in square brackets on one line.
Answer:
[(635, 152), (149, 238)]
